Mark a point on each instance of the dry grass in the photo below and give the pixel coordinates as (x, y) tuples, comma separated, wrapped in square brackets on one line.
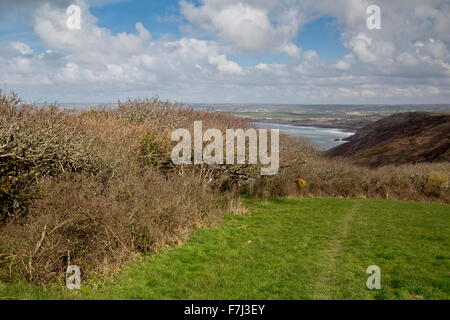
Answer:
[(426, 182)]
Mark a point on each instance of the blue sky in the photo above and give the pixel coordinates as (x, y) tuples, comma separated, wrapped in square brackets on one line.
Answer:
[(163, 19), (323, 36), (280, 51)]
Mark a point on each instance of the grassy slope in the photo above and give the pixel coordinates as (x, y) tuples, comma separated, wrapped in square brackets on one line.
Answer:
[(295, 249)]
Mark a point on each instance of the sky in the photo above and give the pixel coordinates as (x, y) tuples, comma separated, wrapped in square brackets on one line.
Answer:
[(227, 51)]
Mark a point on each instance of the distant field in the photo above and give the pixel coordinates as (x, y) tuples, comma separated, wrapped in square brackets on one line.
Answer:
[(294, 249), (278, 115), (321, 119)]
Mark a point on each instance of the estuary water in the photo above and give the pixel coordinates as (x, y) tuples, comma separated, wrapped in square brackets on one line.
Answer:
[(322, 137)]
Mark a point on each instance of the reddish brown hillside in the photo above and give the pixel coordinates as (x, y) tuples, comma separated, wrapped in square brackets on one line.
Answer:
[(401, 138)]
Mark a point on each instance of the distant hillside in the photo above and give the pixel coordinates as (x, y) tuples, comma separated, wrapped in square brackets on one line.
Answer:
[(398, 139)]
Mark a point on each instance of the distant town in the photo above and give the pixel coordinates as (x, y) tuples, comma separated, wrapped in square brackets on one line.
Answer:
[(346, 117)]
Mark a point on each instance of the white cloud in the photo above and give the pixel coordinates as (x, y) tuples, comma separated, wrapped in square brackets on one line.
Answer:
[(342, 65), (408, 60), (16, 48), (246, 24), (361, 45), (96, 55)]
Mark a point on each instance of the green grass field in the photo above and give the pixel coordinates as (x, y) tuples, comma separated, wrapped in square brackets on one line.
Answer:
[(292, 249), (278, 115)]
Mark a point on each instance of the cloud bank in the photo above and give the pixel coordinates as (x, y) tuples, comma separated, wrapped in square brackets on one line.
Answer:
[(407, 61)]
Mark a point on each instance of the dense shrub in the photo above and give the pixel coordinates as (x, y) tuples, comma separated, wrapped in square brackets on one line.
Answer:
[(90, 188), (333, 178), (155, 151), (99, 231), (97, 188), (35, 144), (437, 183)]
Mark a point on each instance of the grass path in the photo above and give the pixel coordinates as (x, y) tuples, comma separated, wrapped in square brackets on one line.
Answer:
[(294, 249), (324, 282)]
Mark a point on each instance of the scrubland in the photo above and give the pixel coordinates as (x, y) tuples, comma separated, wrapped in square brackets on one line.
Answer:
[(98, 189)]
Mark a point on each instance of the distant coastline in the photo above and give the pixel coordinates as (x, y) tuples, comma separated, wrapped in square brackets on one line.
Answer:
[(308, 123), (323, 137)]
